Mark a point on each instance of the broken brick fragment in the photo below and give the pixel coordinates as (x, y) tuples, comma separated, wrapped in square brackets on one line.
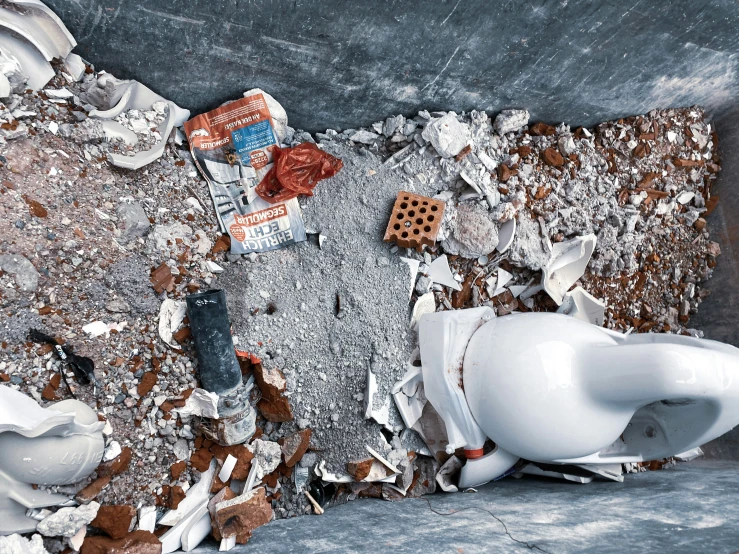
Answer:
[(504, 173), (148, 380), (273, 405), (223, 244), (162, 279), (462, 297), (552, 157), (200, 459), (35, 207), (242, 454), (241, 515), (177, 468), (90, 492), (541, 129), (182, 335), (115, 521), (359, 469), (294, 446), (463, 153), (117, 465), (223, 495), (137, 542), (176, 495)]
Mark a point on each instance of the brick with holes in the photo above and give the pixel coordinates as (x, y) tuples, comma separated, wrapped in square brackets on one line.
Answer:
[(415, 221)]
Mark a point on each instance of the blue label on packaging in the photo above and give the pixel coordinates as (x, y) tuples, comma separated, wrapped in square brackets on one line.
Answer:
[(252, 137)]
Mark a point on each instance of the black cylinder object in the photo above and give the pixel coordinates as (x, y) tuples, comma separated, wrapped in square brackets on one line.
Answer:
[(211, 331)]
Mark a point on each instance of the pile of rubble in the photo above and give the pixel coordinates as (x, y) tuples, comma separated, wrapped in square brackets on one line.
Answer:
[(107, 227)]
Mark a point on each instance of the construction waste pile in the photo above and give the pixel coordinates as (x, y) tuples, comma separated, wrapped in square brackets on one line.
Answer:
[(125, 219)]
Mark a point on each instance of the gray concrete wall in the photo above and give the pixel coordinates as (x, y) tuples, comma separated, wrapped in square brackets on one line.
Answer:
[(339, 64)]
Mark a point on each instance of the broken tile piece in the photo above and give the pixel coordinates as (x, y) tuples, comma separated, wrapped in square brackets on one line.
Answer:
[(413, 266), (439, 272), (228, 466)]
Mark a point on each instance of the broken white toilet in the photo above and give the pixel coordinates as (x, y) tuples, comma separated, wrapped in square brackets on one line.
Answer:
[(42, 446), (553, 389)]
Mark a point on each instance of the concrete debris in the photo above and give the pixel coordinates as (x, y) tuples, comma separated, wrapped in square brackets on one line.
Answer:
[(23, 271), (473, 232), (66, 522), (510, 121), (294, 446), (17, 544), (447, 135), (267, 456)]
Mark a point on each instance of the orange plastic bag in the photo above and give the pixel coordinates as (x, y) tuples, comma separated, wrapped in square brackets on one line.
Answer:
[(297, 171)]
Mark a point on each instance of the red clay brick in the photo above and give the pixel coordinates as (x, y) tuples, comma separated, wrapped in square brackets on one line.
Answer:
[(415, 221)]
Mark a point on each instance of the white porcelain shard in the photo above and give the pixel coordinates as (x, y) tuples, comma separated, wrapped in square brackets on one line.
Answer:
[(439, 272), (425, 304), (516, 290), (96, 328), (147, 518), (132, 95), (75, 66), (32, 62), (409, 397), (506, 233), (413, 266), (196, 495), (227, 544), (531, 469), (581, 304), (5, 87), (172, 539), (197, 529), (114, 130), (228, 466), (566, 265), (443, 338), (370, 390), (691, 454), (37, 447), (49, 23)]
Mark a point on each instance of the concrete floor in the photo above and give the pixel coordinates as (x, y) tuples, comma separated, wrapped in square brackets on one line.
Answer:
[(693, 507)]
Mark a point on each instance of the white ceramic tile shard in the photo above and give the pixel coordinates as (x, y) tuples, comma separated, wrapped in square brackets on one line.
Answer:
[(147, 518), (582, 305), (227, 544), (439, 272), (506, 233), (196, 494), (96, 328), (425, 304), (228, 466), (413, 266), (197, 530), (516, 290)]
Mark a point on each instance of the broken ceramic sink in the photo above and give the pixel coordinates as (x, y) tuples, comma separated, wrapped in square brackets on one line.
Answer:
[(42, 446)]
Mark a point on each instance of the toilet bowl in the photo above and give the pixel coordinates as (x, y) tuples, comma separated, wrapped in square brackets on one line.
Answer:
[(550, 388)]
